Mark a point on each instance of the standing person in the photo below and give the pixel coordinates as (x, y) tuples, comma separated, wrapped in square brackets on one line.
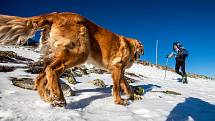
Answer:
[(180, 54)]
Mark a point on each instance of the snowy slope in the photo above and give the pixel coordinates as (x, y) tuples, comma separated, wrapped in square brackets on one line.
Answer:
[(197, 101)]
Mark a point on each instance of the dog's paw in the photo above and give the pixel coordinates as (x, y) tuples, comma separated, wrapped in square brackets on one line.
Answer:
[(137, 97), (35, 87), (57, 103), (122, 102)]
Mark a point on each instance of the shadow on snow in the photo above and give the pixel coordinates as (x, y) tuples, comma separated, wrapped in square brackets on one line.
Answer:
[(104, 92), (192, 109)]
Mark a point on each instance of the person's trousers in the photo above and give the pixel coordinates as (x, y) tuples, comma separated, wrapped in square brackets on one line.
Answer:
[(180, 63)]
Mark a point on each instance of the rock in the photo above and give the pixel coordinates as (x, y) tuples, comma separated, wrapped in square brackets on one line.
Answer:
[(78, 71), (35, 68), (138, 90), (69, 76), (67, 91), (146, 63), (98, 82), (7, 56), (71, 79), (38, 63), (131, 74), (130, 80), (169, 92), (83, 69), (10, 56), (71, 73), (28, 83), (100, 71), (6, 68), (66, 73), (75, 72), (97, 71)]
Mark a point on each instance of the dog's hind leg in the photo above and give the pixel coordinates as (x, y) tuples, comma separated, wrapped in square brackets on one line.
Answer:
[(117, 72), (53, 71), (40, 86), (38, 80), (126, 89), (69, 49)]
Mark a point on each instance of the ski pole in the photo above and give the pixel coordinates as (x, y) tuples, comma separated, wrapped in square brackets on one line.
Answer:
[(166, 67)]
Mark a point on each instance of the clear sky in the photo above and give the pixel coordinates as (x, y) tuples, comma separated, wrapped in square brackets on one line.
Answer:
[(191, 22)]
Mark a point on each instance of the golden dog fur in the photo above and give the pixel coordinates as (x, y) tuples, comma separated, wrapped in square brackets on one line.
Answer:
[(67, 40)]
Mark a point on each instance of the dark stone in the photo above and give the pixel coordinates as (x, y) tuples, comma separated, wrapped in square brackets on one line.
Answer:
[(10, 56), (28, 83), (35, 70), (130, 80), (6, 68), (98, 82)]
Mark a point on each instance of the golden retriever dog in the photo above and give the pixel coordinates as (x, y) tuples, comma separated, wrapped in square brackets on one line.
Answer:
[(67, 40)]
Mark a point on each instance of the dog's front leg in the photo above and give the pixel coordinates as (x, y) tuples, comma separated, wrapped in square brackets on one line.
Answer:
[(117, 70)]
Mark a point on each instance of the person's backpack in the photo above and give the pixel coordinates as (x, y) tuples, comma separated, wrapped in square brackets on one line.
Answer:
[(183, 53)]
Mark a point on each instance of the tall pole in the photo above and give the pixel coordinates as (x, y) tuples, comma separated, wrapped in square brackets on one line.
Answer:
[(156, 52)]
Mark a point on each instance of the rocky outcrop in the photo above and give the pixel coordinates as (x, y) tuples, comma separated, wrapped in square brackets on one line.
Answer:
[(6, 68), (10, 56), (199, 76), (69, 76), (130, 80), (35, 67), (28, 83), (146, 63), (97, 71), (25, 83), (98, 82)]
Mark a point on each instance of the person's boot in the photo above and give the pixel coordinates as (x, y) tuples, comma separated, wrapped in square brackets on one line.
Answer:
[(184, 80)]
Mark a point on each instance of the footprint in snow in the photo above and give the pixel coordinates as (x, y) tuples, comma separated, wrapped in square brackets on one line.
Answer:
[(146, 113)]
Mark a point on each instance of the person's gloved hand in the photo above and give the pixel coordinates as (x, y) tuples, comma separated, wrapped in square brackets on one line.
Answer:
[(167, 56)]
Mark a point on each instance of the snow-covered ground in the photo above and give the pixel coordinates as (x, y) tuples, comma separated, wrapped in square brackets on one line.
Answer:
[(91, 103)]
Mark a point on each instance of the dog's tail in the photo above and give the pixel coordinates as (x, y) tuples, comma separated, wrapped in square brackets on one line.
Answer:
[(17, 30)]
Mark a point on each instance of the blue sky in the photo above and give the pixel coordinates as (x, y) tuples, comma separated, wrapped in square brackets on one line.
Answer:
[(192, 22)]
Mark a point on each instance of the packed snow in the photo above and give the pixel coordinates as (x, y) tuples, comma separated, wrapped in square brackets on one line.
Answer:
[(196, 102)]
